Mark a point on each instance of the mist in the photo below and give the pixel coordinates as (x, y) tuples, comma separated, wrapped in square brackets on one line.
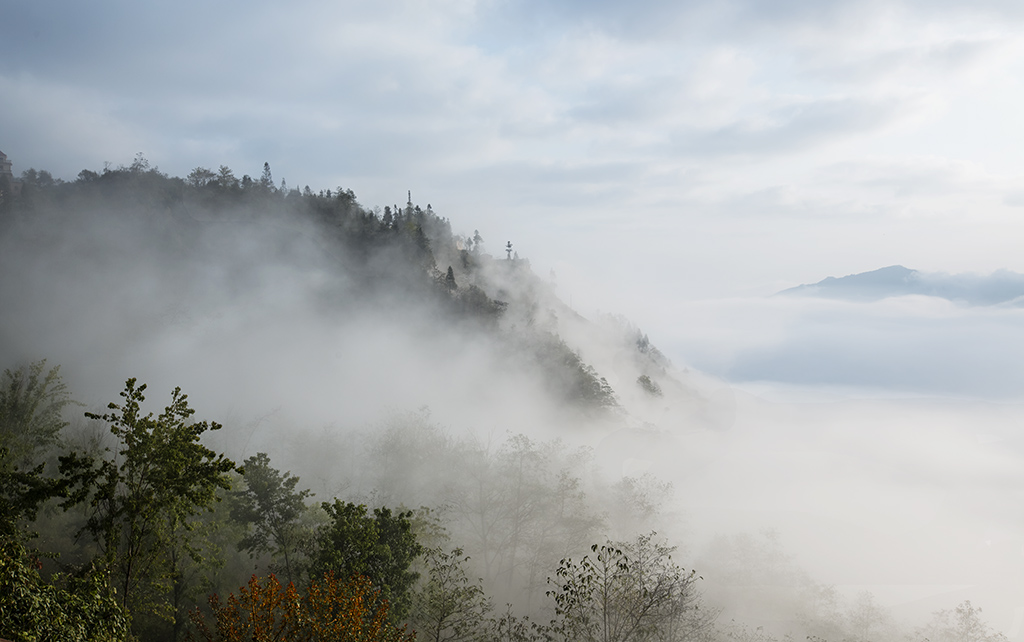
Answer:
[(220, 311), (877, 437), (664, 174), (854, 446)]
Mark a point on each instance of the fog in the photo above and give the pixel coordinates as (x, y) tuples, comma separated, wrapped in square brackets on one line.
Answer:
[(664, 170), (871, 446), (908, 499), (251, 319), (878, 436)]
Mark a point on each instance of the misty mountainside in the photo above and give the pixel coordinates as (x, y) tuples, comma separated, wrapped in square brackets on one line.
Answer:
[(260, 294), (1000, 287), (513, 452), (374, 354)]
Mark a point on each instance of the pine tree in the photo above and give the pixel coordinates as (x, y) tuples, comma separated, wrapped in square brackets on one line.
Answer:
[(267, 180)]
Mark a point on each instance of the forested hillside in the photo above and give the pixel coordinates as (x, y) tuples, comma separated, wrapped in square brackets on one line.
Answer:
[(209, 231), (382, 431)]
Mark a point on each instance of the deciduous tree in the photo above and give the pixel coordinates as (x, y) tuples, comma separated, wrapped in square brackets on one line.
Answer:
[(627, 592), (449, 607), (143, 497), (32, 403), (271, 509), (381, 547), (330, 610), (74, 609), (200, 177)]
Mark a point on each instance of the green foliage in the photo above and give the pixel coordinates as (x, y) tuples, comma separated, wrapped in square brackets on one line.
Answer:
[(76, 609), (474, 303), (568, 374), (32, 402), (226, 178), (143, 498), (381, 547), (627, 592), (272, 510), (267, 179), (649, 386), (516, 509), (194, 557), (200, 177), (448, 607), (21, 495)]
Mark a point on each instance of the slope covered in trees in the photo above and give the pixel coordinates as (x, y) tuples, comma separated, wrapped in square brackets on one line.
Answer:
[(197, 243)]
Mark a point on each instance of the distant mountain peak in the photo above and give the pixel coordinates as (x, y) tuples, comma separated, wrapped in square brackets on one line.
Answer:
[(1001, 287), (894, 280)]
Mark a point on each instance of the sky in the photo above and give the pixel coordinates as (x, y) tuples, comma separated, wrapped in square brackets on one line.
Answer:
[(691, 149), (651, 158), (676, 162)]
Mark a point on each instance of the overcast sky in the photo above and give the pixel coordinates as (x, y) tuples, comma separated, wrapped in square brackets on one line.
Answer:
[(653, 154)]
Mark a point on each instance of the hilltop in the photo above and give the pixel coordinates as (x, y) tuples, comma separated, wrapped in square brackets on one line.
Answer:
[(152, 267)]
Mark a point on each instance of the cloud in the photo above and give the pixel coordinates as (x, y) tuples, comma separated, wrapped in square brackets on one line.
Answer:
[(737, 20), (74, 139), (793, 127)]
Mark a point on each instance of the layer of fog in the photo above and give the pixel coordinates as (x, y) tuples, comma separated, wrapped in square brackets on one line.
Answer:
[(915, 500), (880, 439), (252, 321)]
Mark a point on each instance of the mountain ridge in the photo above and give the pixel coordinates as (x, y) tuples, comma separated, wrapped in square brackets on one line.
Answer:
[(1002, 287)]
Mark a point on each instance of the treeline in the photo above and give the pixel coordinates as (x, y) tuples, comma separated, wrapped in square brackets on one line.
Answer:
[(138, 527), (145, 533), (401, 252), (408, 236)]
